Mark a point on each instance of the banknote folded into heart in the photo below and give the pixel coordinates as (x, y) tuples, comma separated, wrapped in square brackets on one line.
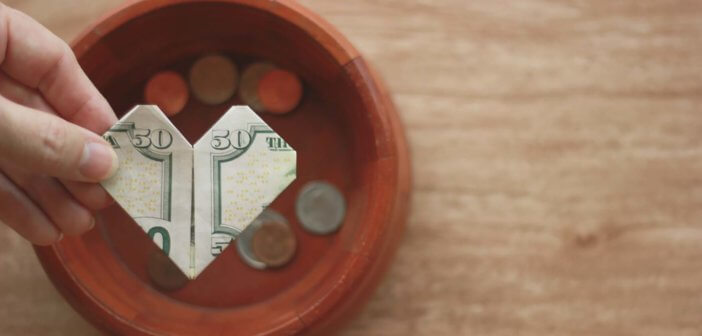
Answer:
[(194, 200)]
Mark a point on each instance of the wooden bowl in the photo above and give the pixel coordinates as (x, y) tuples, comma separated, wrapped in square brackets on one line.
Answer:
[(345, 131)]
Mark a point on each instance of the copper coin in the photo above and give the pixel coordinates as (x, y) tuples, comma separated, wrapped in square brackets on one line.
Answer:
[(164, 273), (167, 90), (213, 79), (274, 243), (280, 91), (243, 244), (248, 87)]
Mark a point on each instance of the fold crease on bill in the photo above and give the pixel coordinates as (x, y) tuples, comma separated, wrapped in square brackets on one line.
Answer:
[(193, 201)]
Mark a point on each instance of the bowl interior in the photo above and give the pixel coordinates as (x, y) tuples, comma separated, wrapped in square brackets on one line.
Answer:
[(333, 138)]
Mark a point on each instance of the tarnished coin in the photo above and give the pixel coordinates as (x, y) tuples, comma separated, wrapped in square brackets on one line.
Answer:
[(164, 273), (320, 207), (213, 79), (274, 243), (248, 86), (168, 90), (280, 91), (253, 244)]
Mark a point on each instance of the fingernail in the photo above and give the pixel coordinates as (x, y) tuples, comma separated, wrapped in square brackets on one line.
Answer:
[(60, 237), (92, 223), (98, 162)]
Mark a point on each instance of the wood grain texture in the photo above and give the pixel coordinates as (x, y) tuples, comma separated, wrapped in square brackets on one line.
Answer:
[(556, 156)]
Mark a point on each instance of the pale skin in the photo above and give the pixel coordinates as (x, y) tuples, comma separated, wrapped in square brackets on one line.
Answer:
[(51, 156)]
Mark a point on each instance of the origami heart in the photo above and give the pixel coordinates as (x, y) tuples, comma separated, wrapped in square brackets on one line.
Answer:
[(194, 200)]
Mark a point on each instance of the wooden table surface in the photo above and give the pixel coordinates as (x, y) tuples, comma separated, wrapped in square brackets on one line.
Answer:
[(557, 156)]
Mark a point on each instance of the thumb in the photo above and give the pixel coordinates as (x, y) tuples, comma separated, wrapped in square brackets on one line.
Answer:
[(44, 143)]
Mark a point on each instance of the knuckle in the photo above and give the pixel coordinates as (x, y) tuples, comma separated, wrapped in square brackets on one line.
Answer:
[(54, 144)]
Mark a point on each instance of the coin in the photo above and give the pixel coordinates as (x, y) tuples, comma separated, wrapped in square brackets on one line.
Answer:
[(320, 207), (248, 87), (164, 273), (243, 246), (252, 243), (168, 90), (213, 79), (280, 91), (274, 243)]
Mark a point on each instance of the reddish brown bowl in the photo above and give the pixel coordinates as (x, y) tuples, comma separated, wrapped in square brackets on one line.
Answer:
[(345, 131)]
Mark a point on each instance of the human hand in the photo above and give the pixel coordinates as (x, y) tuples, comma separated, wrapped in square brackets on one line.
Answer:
[(50, 157)]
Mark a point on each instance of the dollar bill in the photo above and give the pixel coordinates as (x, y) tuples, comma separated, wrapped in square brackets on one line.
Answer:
[(194, 201), (241, 165)]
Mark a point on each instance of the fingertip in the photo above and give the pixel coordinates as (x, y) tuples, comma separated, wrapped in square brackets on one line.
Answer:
[(102, 203), (98, 161), (92, 224), (81, 221), (110, 113), (108, 200)]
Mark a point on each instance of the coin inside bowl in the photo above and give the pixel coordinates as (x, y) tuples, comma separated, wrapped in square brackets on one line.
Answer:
[(345, 131)]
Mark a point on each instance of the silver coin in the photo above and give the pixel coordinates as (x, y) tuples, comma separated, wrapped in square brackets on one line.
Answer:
[(245, 238), (320, 207)]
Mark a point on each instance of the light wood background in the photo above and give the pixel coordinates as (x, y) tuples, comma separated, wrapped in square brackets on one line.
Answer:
[(557, 152)]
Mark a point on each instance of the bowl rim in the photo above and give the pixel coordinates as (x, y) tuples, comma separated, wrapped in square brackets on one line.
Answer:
[(358, 274), (310, 22)]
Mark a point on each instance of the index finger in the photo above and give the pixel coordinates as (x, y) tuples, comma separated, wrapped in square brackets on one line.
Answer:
[(35, 57)]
